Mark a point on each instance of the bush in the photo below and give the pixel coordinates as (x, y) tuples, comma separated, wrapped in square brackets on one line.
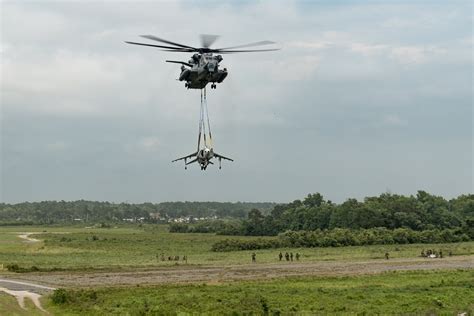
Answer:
[(59, 297), (340, 237), (237, 244), (16, 268), (13, 267), (178, 228)]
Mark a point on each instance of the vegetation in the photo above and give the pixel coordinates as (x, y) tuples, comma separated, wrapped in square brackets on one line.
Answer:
[(9, 306), (421, 212), (339, 237), (127, 247), (221, 227), (61, 212), (418, 292), (446, 221)]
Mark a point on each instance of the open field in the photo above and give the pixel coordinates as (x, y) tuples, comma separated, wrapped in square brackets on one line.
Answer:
[(116, 271), (242, 272), (417, 292), (78, 248), (9, 306)]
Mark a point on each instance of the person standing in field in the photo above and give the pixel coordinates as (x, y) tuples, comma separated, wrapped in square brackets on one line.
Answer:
[(291, 256), (280, 256), (297, 256), (386, 255), (287, 256), (254, 257)]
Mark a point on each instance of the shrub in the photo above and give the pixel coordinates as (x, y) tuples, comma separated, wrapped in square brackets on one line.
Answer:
[(343, 237), (59, 297), (13, 267), (178, 228)]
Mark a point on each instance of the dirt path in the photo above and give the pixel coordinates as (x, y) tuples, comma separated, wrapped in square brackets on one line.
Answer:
[(207, 274), (26, 237), (24, 290)]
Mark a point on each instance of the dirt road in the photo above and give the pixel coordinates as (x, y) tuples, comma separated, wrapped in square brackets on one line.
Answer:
[(24, 290), (26, 237), (204, 274)]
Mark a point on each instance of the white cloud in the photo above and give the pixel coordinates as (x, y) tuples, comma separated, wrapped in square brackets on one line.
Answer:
[(394, 120), (66, 71), (150, 143), (368, 49), (57, 146)]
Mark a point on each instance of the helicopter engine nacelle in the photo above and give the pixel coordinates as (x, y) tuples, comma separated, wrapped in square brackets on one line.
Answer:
[(196, 58), (184, 75), (222, 75)]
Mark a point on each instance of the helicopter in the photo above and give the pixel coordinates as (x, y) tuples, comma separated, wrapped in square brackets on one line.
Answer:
[(203, 67)]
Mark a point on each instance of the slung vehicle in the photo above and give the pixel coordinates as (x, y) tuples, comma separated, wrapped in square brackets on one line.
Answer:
[(203, 157), (205, 151)]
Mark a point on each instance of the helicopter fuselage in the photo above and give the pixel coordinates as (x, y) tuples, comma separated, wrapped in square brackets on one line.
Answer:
[(202, 69)]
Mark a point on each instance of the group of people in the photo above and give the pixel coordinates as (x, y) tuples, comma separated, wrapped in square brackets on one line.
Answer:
[(172, 258), (430, 253), (288, 256)]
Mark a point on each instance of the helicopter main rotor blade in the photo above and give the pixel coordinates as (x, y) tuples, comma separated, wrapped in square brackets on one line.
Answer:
[(168, 48), (207, 40), (154, 38), (261, 43), (243, 51)]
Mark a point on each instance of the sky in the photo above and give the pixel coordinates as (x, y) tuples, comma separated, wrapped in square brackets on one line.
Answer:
[(364, 97)]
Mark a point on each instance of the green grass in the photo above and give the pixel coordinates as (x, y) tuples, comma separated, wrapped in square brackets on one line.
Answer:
[(133, 246), (420, 292)]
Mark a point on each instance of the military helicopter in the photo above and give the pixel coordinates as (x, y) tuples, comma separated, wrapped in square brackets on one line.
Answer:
[(203, 65)]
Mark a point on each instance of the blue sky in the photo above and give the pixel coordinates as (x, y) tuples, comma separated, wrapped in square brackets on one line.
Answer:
[(363, 98)]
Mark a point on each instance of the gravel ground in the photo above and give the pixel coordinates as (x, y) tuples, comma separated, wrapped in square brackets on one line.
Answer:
[(256, 271)]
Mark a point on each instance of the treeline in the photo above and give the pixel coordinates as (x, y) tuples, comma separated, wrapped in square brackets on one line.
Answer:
[(418, 213), (340, 237), (422, 212), (221, 227), (57, 212)]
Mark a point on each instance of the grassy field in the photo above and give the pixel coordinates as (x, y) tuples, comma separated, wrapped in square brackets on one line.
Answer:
[(77, 248), (440, 292), (9, 306), (130, 247)]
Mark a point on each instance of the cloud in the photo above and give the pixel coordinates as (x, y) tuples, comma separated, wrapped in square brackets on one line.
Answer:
[(57, 146), (394, 120), (73, 93), (149, 143), (368, 49)]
